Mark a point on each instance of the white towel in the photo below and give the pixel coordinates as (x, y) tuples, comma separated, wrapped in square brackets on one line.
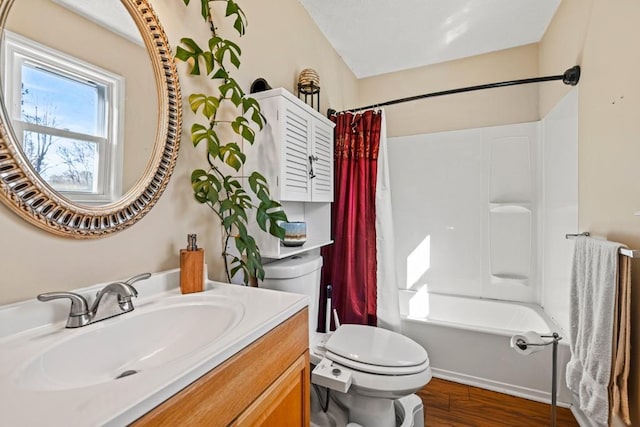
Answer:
[(593, 290)]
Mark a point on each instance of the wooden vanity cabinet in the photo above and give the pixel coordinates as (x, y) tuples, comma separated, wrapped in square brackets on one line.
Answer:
[(265, 384)]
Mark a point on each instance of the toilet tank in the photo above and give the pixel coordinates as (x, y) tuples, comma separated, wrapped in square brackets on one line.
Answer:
[(299, 274)]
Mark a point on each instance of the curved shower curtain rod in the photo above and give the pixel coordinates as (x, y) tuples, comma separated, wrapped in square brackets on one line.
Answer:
[(570, 77)]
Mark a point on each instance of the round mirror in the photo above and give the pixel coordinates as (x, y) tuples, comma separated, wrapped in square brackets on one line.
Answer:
[(90, 117)]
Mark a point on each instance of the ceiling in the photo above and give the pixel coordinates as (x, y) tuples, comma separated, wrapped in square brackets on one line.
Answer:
[(110, 14), (381, 36)]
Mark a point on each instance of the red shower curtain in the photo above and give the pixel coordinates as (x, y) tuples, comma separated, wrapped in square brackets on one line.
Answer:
[(350, 263)]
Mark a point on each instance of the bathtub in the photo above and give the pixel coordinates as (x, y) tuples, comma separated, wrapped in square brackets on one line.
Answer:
[(468, 341)]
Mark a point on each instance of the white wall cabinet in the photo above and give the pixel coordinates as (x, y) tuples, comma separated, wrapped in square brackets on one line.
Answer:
[(295, 149), (294, 152)]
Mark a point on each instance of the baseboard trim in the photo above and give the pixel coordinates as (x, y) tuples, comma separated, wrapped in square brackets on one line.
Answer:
[(513, 390)]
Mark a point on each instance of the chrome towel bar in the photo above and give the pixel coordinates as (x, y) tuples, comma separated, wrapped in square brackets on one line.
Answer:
[(624, 251)]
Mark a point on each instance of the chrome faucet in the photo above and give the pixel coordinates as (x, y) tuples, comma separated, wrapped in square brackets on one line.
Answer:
[(124, 292), (81, 315), (78, 315)]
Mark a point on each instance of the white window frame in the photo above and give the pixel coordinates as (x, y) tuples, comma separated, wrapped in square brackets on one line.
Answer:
[(18, 50)]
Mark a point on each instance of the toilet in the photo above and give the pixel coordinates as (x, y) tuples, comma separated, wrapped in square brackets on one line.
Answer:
[(384, 368)]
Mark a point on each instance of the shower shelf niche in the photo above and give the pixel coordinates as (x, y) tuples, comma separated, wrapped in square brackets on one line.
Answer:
[(509, 206), (511, 216)]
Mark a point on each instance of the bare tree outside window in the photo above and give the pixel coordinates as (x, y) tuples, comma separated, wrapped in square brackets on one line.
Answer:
[(67, 165), (79, 159), (36, 145)]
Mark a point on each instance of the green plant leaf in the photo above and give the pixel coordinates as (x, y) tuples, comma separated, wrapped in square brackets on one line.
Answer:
[(231, 86), (204, 9), (226, 205), (214, 43), (232, 7), (243, 233), (209, 61), (197, 174), (221, 73), (256, 180), (209, 104), (242, 203), (237, 266), (228, 221), (230, 184), (276, 230), (251, 107), (240, 21), (201, 133), (190, 51), (229, 49), (241, 126), (232, 155), (261, 219), (213, 146), (202, 186), (212, 196), (277, 216)]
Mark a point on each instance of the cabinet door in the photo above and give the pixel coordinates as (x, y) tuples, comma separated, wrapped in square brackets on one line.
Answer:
[(322, 183), (297, 128), (285, 403)]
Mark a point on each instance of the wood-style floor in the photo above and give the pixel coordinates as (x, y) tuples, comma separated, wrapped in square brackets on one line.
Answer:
[(457, 405)]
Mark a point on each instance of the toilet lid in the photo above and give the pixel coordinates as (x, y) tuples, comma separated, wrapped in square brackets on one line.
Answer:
[(367, 345)]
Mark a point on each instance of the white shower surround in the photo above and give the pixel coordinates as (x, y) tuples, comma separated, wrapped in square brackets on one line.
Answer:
[(442, 199), (465, 207)]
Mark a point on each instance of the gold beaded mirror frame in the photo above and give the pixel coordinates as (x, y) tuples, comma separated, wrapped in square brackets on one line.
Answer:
[(29, 196)]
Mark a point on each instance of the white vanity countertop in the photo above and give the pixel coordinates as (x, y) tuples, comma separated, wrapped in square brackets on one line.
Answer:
[(29, 328)]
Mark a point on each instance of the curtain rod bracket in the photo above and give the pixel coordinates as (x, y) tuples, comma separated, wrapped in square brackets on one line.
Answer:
[(572, 76)]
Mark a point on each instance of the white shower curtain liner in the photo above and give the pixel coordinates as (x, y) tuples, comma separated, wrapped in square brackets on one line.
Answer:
[(387, 300)]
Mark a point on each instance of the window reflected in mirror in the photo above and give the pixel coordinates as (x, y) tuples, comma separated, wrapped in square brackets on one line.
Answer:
[(69, 116)]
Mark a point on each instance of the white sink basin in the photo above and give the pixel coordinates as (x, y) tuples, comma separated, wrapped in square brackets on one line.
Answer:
[(151, 336), (59, 377)]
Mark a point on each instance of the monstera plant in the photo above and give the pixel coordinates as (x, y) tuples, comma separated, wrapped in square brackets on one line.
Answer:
[(226, 116)]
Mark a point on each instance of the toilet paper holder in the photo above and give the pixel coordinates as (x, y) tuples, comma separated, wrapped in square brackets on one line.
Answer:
[(555, 337), (522, 344)]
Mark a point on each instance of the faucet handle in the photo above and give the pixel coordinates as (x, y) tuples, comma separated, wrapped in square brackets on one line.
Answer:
[(137, 278), (78, 314), (124, 299)]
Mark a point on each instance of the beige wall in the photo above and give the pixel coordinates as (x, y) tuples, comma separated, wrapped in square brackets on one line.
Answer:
[(493, 107), (602, 36), (280, 42)]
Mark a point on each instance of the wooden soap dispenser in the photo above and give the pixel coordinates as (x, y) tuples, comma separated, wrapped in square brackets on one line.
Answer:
[(191, 267)]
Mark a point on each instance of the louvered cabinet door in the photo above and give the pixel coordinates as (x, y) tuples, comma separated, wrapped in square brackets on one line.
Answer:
[(294, 152), (297, 133), (322, 148)]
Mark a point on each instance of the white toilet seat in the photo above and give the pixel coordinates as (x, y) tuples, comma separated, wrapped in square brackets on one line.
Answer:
[(376, 369), (370, 346)]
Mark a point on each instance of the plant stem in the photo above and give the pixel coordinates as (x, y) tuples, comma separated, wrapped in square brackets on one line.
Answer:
[(225, 254), (212, 26)]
